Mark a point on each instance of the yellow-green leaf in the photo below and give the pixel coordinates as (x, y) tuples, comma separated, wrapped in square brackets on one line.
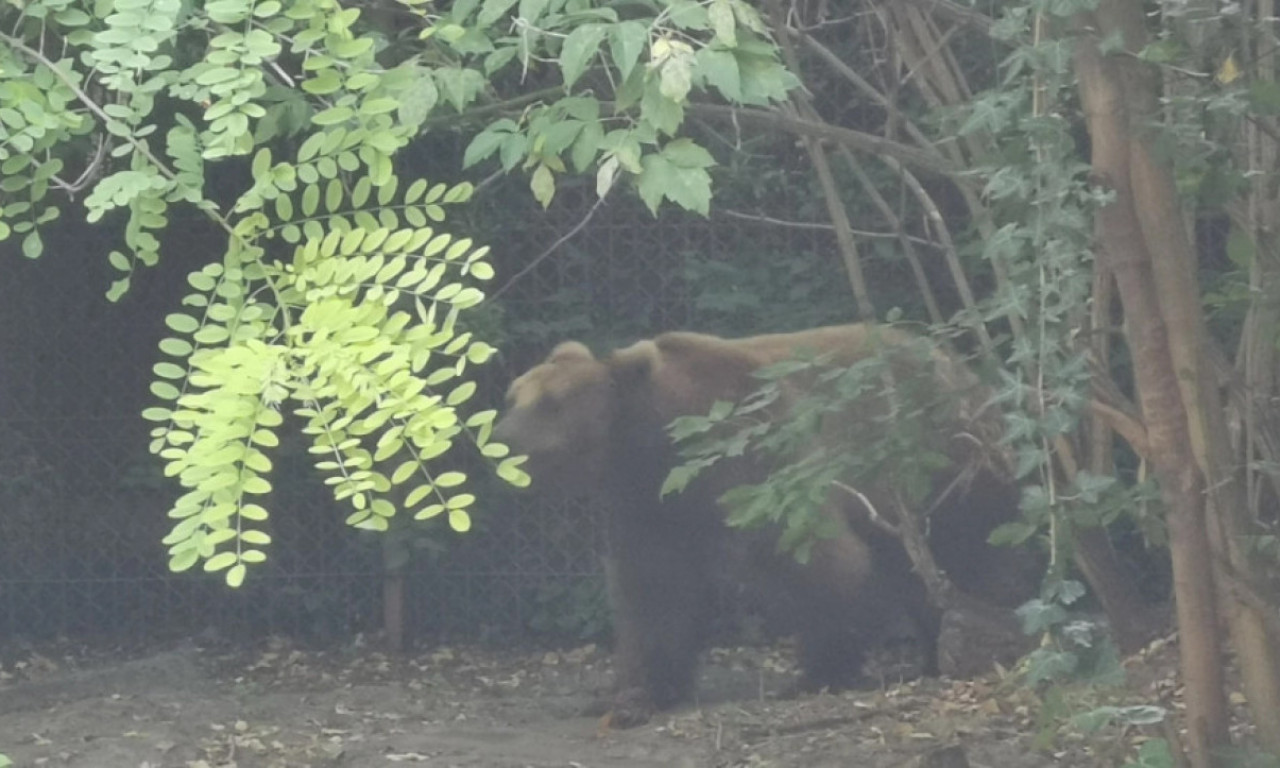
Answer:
[(235, 576), (257, 538), (428, 512), (450, 479), (220, 561)]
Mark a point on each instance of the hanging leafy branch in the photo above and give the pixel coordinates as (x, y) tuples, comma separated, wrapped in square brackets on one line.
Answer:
[(649, 57), (335, 297), (379, 387)]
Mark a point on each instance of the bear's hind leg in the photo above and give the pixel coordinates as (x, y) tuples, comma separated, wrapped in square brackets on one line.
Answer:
[(840, 606)]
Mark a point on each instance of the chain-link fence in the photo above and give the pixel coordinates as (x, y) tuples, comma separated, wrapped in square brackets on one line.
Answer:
[(82, 502)]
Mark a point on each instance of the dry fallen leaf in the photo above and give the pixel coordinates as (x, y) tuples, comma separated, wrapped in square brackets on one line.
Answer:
[(406, 757)]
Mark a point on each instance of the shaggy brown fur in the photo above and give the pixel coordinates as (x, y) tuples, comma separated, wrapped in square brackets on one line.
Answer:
[(596, 426)]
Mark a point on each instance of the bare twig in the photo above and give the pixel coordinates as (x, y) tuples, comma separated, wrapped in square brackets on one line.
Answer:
[(533, 263), (900, 232), (830, 190), (873, 516), (952, 254), (957, 13), (867, 233), (838, 65), (89, 172)]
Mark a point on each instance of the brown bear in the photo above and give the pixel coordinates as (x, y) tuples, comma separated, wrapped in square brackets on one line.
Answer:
[(598, 426)]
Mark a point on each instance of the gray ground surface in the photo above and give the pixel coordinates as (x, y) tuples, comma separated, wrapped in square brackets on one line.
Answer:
[(193, 708)]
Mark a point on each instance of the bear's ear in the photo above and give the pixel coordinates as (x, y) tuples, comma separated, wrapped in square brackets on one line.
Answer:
[(570, 350), (636, 362)]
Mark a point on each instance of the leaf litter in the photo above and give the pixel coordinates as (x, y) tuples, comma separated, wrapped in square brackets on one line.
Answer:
[(281, 706)]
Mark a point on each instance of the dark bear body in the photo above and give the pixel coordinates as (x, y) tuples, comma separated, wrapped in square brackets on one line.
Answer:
[(598, 426)]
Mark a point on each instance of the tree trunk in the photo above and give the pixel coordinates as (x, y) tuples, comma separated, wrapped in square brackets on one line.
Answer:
[(393, 609), (1131, 624), (1125, 251), (1177, 291)]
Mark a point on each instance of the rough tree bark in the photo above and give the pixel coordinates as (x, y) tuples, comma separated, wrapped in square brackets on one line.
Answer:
[(1125, 251), (1160, 217)]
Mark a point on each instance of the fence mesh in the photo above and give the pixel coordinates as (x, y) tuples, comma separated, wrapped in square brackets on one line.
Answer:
[(82, 503)]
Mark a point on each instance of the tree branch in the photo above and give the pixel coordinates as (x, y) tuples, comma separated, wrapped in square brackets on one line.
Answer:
[(957, 13), (536, 260), (913, 156)]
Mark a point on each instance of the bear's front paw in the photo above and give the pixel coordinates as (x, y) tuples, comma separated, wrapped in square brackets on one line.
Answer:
[(599, 706), (630, 707)]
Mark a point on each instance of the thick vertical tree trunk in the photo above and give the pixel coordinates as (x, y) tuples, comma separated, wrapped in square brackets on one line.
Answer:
[(1160, 217), (1126, 252)]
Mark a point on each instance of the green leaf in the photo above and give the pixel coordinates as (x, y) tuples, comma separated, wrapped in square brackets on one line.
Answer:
[(684, 153), (720, 14), (325, 82), (543, 184), (181, 323), (461, 393), (513, 150), (333, 195), (183, 560), (417, 101), (256, 538), (459, 520), (531, 10), (378, 106), (676, 77), (587, 146), (499, 59), (253, 512), (261, 163), (690, 188), (720, 69), (310, 199), (460, 501), (235, 576), (764, 81), (626, 41), (169, 371), (333, 116), (510, 471), (659, 111), (580, 47), (492, 10), (417, 495), (255, 485), (220, 561), (404, 472), (460, 86), (157, 414), (484, 144), (32, 245), (688, 14), (450, 479), (175, 347)]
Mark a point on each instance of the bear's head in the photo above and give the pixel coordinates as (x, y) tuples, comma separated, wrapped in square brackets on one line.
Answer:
[(561, 414)]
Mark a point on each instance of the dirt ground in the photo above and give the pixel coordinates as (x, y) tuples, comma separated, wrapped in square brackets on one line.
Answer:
[(193, 707)]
